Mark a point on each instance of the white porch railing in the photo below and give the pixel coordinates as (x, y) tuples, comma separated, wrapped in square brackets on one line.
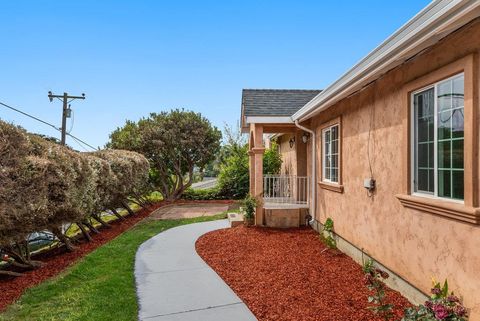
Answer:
[(286, 189)]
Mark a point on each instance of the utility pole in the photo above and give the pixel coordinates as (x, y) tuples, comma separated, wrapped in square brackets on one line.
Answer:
[(66, 110)]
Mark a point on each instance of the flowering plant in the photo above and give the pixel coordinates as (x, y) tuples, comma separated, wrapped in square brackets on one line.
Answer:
[(374, 280), (441, 306)]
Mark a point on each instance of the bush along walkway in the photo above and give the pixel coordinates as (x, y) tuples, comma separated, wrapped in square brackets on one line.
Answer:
[(99, 287), (174, 283)]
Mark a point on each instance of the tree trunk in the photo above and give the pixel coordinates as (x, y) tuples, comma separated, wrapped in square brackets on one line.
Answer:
[(129, 210), (97, 218), (91, 227), (21, 256), (63, 239), (114, 211), (84, 232), (10, 273), (138, 202)]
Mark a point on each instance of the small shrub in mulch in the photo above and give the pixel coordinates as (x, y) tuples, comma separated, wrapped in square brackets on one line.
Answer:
[(287, 275)]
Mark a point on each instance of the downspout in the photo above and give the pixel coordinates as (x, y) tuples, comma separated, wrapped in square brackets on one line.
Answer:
[(313, 178)]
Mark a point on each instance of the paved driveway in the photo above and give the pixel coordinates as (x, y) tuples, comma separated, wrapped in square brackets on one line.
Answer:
[(174, 283)]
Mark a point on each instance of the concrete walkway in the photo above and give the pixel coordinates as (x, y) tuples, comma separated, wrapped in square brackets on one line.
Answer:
[(174, 283)]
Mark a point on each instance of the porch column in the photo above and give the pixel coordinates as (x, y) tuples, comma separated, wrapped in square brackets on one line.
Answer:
[(259, 184), (251, 169), (256, 168)]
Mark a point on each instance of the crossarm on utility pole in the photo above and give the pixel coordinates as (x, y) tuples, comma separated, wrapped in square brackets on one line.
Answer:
[(65, 97)]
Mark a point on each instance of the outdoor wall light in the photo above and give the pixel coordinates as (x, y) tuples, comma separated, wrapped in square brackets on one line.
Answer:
[(305, 137), (291, 142)]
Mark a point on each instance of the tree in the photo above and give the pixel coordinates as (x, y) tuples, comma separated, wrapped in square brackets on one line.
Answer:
[(234, 174), (175, 143), (272, 160)]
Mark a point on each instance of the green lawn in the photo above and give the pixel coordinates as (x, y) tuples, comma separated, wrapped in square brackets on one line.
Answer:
[(99, 287)]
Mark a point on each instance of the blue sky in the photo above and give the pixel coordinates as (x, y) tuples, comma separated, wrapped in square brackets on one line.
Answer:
[(136, 57)]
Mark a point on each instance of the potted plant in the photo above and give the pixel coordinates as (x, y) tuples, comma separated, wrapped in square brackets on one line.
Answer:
[(249, 204)]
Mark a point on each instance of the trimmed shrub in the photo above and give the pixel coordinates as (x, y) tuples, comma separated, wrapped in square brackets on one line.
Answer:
[(130, 172), (44, 186), (213, 193), (20, 198)]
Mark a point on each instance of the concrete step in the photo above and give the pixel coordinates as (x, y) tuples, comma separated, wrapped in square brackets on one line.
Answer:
[(235, 219)]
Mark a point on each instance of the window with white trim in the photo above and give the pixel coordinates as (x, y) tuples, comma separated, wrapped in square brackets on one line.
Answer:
[(437, 139), (330, 151)]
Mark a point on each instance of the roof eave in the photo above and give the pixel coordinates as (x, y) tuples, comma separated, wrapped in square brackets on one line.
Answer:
[(435, 21)]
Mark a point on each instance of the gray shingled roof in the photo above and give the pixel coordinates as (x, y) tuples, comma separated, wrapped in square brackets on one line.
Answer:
[(274, 102)]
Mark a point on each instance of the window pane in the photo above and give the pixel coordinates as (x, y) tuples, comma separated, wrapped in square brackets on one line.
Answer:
[(458, 92), (431, 179), (334, 177), (335, 147), (334, 132), (445, 125), (424, 128), (334, 160), (422, 184), (444, 95), (457, 123), (424, 139), (423, 155), (444, 183), (444, 154), (457, 154), (457, 187), (431, 156)]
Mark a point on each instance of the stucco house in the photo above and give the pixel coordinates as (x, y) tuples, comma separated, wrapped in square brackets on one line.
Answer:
[(389, 151)]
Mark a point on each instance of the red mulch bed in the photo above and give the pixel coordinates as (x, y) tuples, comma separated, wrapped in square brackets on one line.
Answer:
[(59, 259), (286, 275)]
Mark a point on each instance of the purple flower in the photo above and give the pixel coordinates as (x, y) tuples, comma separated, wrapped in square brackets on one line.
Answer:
[(429, 304), (441, 313), (460, 311), (368, 279), (453, 298), (436, 291)]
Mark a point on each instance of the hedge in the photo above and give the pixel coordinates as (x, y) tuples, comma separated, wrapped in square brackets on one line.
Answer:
[(45, 186)]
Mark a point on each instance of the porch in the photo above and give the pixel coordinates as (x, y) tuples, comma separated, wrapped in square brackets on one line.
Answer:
[(285, 198)]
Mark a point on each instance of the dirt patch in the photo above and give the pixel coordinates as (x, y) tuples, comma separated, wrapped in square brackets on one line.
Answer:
[(189, 211), (57, 260), (286, 275)]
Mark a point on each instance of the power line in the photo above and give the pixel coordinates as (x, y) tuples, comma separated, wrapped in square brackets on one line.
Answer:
[(81, 141), (28, 115), (80, 144), (46, 123)]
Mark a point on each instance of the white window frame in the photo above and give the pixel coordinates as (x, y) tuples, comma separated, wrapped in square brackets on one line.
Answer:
[(324, 154), (433, 195)]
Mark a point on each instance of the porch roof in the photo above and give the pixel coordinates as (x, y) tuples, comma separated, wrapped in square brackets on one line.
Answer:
[(273, 105)]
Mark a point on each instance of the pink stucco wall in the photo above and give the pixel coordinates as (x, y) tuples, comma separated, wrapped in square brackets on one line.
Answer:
[(414, 244)]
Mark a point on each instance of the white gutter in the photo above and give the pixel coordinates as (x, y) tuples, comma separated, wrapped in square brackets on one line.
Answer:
[(314, 167), (434, 22)]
